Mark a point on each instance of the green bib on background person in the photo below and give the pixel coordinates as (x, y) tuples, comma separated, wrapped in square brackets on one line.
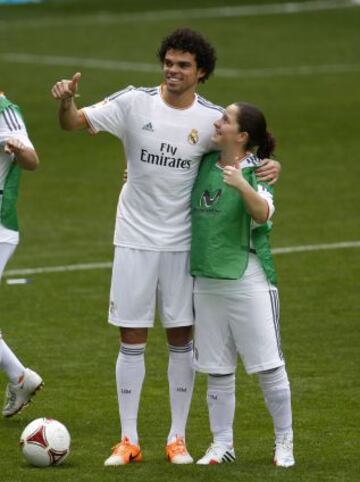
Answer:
[(221, 226), (8, 215)]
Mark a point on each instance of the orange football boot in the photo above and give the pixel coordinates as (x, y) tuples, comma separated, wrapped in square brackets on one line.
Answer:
[(124, 453), (176, 452)]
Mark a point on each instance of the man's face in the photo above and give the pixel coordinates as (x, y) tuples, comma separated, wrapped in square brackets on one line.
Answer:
[(180, 71)]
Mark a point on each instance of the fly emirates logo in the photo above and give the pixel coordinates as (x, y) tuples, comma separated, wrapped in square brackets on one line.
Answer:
[(166, 157)]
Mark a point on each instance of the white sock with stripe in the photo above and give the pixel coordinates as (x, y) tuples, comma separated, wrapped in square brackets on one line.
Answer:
[(276, 388), (181, 383), (221, 404), (130, 374), (11, 365)]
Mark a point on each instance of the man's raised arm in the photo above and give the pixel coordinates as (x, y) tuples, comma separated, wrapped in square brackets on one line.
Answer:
[(70, 117)]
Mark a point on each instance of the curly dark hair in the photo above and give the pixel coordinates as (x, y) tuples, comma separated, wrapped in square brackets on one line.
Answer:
[(188, 40)]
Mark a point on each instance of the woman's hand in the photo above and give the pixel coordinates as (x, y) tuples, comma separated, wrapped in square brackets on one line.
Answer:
[(233, 176), (14, 146), (26, 157)]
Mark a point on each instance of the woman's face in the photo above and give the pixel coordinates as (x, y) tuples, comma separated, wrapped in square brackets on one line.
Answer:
[(227, 129)]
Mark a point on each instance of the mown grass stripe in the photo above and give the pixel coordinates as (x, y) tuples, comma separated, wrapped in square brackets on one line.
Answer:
[(108, 264)]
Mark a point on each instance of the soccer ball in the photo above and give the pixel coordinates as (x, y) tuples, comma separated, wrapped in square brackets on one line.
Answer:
[(45, 442)]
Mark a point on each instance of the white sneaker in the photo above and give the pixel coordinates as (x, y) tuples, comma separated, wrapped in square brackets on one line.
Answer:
[(283, 456), (18, 396), (217, 454)]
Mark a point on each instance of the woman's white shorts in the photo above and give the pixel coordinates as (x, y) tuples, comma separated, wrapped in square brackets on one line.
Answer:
[(237, 317)]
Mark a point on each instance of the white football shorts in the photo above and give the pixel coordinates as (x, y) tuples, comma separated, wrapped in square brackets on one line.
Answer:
[(237, 317), (143, 280)]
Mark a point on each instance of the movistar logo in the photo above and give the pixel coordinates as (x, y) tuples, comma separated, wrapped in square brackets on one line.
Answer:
[(208, 199)]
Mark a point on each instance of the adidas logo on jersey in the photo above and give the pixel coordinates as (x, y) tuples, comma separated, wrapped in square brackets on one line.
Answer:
[(148, 127)]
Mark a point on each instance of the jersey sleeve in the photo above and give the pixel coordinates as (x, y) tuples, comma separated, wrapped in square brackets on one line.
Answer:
[(110, 115), (266, 192), (12, 126)]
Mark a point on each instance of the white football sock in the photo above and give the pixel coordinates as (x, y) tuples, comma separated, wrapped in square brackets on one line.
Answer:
[(276, 388), (181, 383), (11, 365), (221, 404), (130, 373)]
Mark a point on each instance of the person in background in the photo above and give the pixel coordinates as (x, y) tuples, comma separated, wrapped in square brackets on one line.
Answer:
[(16, 153)]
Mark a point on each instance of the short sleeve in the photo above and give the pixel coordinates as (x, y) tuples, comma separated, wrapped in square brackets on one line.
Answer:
[(110, 115), (12, 126), (265, 193)]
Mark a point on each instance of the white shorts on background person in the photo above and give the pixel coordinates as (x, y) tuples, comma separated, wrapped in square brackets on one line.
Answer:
[(143, 280), (237, 317), (8, 242)]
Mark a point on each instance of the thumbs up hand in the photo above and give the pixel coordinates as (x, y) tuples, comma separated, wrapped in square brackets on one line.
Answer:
[(65, 89)]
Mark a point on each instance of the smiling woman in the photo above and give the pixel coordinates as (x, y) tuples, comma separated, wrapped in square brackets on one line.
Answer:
[(235, 294)]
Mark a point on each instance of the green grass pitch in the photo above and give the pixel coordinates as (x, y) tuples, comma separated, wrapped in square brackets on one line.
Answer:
[(57, 324)]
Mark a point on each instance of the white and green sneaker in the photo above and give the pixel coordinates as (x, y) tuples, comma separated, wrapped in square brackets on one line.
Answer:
[(18, 396), (217, 454)]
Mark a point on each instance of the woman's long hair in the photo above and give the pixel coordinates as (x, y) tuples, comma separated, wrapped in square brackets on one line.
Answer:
[(252, 120)]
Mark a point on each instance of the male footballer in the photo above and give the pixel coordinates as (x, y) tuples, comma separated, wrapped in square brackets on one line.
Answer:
[(165, 131)]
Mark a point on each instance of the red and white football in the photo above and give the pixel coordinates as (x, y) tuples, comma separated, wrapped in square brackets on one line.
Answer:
[(45, 442)]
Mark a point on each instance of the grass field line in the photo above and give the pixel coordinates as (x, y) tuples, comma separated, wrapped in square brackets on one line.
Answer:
[(108, 264), (118, 65), (107, 18)]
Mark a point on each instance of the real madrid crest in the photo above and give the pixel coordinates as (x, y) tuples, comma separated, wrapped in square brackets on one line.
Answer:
[(193, 137)]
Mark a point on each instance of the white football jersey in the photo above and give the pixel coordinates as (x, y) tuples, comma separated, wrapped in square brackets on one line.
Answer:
[(11, 126), (163, 147)]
